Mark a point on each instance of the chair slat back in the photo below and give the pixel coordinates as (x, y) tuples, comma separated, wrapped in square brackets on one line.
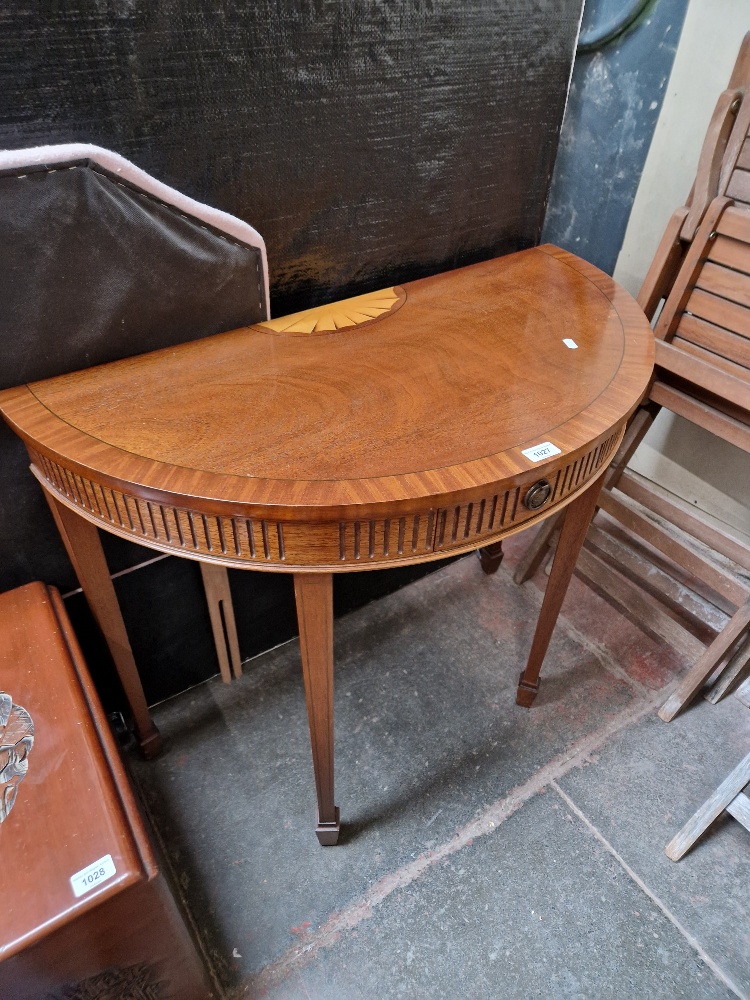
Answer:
[(708, 312), (703, 332)]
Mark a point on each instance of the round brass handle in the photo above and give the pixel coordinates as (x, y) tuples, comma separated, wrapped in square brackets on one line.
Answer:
[(537, 495)]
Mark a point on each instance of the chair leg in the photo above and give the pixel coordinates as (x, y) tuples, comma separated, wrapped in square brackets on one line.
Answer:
[(738, 665), (639, 426), (696, 677), (742, 694), (729, 790), (221, 612)]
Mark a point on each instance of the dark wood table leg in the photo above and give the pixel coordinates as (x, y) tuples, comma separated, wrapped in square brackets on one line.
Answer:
[(314, 595), (578, 516), (81, 539), (490, 557)]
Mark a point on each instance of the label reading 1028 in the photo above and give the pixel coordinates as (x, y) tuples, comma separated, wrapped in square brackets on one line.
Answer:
[(93, 876)]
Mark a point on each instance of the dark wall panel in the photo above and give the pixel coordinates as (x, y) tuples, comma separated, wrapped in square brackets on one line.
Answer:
[(615, 98), (370, 143)]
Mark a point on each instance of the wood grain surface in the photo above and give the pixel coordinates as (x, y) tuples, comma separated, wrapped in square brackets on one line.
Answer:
[(126, 936), (74, 806), (397, 439)]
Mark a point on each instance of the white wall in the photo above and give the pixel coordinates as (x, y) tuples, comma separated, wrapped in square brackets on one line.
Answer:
[(687, 461)]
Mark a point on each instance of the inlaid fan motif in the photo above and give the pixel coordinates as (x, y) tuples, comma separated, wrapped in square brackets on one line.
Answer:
[(339, 315)]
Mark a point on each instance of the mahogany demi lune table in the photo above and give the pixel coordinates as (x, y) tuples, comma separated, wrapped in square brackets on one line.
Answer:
[(395, 427)]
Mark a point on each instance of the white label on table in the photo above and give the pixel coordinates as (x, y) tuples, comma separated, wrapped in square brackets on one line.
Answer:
[(570, 343), (93, 876), (541, 451)]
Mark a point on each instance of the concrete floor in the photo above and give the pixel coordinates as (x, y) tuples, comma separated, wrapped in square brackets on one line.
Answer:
[(486, 850)]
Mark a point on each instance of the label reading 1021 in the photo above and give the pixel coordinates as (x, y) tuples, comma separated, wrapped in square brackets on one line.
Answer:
[(93, 876)]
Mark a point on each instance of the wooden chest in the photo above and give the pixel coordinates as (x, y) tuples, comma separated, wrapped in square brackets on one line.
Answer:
[(85, 912)]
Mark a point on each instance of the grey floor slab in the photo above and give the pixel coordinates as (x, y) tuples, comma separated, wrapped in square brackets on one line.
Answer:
[(536, 909), (427, 734), (644, 786)]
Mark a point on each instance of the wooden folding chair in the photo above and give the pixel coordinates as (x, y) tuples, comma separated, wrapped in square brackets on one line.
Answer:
[(723, 164), (703, 374), (723, 168)]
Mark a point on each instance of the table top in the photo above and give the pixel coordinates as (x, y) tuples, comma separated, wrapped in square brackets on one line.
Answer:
[(383, 405)]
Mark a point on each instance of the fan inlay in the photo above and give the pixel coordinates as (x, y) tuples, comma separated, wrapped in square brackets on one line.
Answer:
[(339, 315)]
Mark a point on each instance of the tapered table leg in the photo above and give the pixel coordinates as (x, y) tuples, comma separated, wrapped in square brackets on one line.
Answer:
[(84, 548), (314, 595), (578, 516), (490, 557), (534, 555)]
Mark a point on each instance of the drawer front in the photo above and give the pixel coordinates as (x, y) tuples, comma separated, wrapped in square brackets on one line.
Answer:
[(462, 526)]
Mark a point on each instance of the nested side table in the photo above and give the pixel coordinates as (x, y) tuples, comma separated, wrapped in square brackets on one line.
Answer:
[(394, 427)]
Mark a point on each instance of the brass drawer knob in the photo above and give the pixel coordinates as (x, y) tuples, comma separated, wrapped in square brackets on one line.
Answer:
[(537, 495)]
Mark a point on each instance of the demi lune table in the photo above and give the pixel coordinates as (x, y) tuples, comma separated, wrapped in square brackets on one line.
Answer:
[(396, 427)]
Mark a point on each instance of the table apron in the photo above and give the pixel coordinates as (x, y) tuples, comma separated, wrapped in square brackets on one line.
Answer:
[(340, 545)]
